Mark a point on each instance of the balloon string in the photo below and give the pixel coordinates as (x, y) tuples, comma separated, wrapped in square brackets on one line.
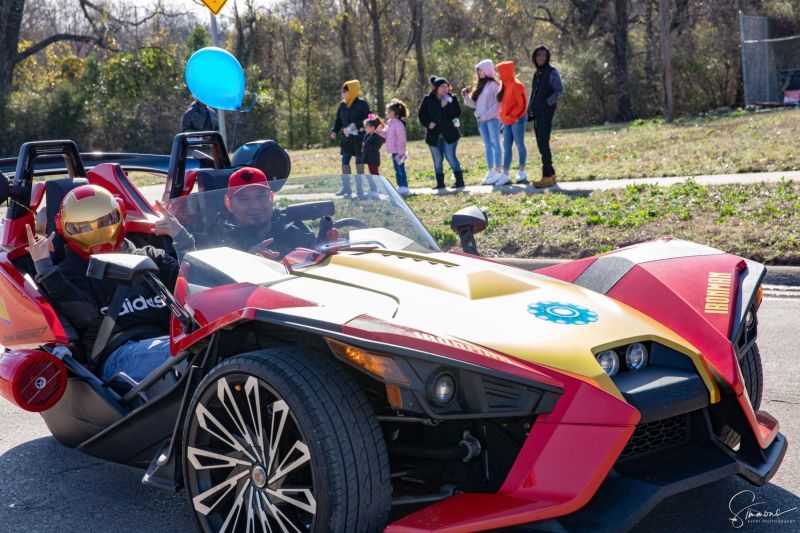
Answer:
[(235, 125)]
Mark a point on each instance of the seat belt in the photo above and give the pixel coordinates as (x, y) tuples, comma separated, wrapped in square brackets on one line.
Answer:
[(107, 326)]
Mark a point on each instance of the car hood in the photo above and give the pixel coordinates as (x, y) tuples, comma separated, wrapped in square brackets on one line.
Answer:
[(516, 312)]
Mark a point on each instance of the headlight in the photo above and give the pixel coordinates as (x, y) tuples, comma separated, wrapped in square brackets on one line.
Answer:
[(609, 361), (636, 356), (442, 389)]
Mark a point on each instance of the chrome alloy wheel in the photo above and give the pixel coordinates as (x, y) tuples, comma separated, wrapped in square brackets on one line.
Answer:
[(249, 468)]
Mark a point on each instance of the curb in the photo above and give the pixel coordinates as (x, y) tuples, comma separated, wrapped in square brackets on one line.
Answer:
[(776, 274)]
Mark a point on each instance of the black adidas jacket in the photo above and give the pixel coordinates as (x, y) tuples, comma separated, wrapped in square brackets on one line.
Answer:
[(84, 301)]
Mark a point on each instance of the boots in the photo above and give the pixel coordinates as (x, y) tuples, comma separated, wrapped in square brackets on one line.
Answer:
[(459, 179), (546, 181), (439, 181)]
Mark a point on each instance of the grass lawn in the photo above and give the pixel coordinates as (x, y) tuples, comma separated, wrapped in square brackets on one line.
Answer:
[(737, 142), (754, 221)]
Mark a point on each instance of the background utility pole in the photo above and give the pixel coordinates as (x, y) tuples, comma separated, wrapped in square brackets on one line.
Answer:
[(220, 113)]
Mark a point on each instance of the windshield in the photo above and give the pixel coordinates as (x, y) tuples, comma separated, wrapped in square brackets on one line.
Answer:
[(298, 213)]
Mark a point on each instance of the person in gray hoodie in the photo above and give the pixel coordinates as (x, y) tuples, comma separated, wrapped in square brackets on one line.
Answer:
[(483, 98)]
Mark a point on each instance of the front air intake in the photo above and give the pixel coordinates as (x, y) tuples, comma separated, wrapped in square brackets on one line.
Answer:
[(32, 379)]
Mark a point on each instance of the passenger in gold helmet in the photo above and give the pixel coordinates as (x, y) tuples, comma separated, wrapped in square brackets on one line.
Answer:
[(92, 221)]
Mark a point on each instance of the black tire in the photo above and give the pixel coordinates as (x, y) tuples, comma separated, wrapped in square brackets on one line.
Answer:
[(753, 375), (338, 475)]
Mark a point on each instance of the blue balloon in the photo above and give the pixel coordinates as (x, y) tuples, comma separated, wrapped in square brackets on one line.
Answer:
[(216, 78)]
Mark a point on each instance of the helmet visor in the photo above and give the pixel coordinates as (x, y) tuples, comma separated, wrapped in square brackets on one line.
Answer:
[(74, 229), (88, 234)]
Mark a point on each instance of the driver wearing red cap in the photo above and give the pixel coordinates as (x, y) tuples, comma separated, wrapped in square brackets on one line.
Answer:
[(252, 222), (256, 225)]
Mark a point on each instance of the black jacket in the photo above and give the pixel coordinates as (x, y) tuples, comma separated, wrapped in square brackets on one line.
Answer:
[(199, 118), (356, 114), (84, 301), (431, 110), (371, 149), (286, 234)]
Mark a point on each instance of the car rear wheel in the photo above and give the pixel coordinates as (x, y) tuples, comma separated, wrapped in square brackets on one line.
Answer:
[(753, 375), (283, 440)]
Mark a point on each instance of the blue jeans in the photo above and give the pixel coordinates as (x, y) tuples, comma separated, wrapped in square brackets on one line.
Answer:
[(444, 150), (515, 133), (399, 172), (490, 133), (136, 358)]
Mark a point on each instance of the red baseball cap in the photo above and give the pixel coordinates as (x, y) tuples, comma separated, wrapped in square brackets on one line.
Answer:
[(247, 176)]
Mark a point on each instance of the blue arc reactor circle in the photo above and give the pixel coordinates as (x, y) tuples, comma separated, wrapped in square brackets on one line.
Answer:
[(562, 313)]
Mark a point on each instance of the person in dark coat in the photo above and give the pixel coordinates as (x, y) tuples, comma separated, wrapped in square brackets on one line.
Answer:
[(546, 91), (91, 222), (438, 114), (349, 126), (199, 117)]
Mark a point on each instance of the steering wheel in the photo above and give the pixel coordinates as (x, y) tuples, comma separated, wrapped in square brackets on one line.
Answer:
[(349, 222)]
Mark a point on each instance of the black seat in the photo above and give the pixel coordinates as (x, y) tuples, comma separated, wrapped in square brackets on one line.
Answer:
[(213, 179), (55, 191)]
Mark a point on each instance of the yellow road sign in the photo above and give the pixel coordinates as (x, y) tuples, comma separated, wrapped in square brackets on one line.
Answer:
[(214, 5)]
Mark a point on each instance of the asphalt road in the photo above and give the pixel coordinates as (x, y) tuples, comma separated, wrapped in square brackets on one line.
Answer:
[(45, 487)]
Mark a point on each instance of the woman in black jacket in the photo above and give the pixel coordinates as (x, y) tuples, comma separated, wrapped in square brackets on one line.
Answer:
[(349, 124), (438, 113)]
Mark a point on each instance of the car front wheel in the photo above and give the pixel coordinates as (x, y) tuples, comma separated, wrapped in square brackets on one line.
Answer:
[(283, 440)]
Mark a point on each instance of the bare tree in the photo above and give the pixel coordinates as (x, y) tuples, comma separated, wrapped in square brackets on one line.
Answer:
[(417, 21), (375, 14), (666, 58)]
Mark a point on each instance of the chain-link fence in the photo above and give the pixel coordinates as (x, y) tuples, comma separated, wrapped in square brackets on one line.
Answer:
[(770, 63)]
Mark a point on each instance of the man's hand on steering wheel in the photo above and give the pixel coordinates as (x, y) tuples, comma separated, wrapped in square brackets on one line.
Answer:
[(263, 249)]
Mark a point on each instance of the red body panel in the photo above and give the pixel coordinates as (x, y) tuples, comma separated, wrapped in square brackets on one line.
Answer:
[(693, 295), (564, 460), (27, 320), (220, 306), (110, 176), (562, 463), (568, 272)]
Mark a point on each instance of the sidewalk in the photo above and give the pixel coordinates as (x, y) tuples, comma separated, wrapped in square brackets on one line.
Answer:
[(604, 185)]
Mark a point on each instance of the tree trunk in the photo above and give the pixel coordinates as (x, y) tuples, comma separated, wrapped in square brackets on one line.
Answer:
[(621, 50), (377, 51), (417, 18), (666, 58), (10, 24), (346, 43), (309, 59), (649, 51)]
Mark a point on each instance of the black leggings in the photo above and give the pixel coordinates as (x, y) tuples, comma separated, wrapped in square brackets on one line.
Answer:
[(542, 126)]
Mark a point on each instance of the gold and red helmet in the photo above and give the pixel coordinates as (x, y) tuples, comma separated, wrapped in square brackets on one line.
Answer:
[(91, 221)]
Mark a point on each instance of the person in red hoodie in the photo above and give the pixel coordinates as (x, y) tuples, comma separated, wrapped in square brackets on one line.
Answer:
[(513, 115)]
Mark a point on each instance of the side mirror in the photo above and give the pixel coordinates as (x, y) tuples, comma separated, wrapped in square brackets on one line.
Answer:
[(467, 222), (125, 269)]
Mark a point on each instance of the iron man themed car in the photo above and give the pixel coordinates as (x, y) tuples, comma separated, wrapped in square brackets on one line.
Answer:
[(372, 382)]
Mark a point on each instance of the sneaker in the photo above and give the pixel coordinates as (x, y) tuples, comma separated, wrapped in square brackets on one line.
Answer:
[(522, 176), (343, 192), (546, 181), (372, 195), (402, 191), (505, 179), (490, 178)]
